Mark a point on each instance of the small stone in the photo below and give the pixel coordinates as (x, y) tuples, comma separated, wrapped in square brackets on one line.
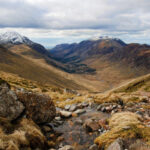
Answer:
[(126, 127), (78, 94), (79, 111), (67, 147), (65, 114), (108, 108), (99, 107), (85, 104), (79, 106), (139, 113), (93, 147), (103, 109), (73, 107), (67, 107), (114, 107), (58, 118)]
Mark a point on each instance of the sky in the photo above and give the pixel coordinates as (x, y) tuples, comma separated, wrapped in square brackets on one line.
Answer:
[(52, 22)]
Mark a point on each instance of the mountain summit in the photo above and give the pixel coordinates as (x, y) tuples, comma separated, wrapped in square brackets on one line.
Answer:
[(14, 38)]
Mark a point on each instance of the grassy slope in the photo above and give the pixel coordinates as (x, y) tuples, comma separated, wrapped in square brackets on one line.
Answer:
[(15, 63), (43, 62), (134, 90)]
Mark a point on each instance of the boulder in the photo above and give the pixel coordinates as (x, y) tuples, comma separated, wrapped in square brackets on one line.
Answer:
[(116, 145), (40, 108), (10, 107)]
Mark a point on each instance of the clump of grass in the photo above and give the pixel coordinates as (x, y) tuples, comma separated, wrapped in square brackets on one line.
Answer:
[(126, 125), (147, 88), (27, 135)]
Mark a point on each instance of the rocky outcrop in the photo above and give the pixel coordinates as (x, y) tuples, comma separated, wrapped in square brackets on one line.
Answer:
[(40, 108), (10, 107)]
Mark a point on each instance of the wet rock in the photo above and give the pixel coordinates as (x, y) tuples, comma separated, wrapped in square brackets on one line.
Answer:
[(65, 114), (79, 111), (67, 147), (91, 125), (10, 107), (40, 108), (73, 107), (93, 147), (67, 107), (116, 145)]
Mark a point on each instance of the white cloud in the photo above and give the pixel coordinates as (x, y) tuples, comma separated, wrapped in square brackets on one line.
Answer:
[(76, 18)]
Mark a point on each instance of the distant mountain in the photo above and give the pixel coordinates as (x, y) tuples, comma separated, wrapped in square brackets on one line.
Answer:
[(14, 38), (74, 54), (111, 60)]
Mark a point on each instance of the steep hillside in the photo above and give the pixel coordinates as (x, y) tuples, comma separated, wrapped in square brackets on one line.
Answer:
[(13, 61)]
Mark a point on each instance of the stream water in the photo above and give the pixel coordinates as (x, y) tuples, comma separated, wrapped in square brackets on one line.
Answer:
[(75, 134)]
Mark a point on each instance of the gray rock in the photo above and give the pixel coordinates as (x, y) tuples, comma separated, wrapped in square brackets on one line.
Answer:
[(10, 107), (116, 145)]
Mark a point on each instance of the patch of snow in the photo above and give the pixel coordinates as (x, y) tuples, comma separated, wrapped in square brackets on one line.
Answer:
[(13, 38), (103, 38)]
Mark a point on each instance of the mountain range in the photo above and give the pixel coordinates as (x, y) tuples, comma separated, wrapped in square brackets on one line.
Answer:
[(97, 64), (111, 61)]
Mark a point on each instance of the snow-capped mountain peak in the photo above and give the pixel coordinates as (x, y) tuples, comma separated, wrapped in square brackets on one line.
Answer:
[(13, 38)]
